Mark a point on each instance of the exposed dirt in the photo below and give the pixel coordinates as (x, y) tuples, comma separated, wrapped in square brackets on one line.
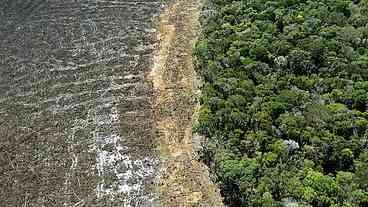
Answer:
[(184, 181)]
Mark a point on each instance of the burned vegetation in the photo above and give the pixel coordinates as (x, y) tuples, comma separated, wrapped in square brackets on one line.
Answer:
[(75, 106)]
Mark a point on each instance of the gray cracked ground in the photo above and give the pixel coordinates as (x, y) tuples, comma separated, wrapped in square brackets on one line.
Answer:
[(75, 106)]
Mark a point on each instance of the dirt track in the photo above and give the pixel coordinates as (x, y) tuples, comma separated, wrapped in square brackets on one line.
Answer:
[(184, 181)]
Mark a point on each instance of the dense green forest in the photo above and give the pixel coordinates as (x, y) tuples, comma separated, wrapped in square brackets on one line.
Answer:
[(285, 101)]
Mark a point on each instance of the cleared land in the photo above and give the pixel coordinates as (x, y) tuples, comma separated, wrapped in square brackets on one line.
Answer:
[(97, 100), (75, 106)]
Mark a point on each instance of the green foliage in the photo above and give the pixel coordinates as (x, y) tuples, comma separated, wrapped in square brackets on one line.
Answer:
[(285, 100)]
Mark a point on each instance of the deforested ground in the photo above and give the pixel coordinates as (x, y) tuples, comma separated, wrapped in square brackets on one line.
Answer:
[(75, 107), (83, 119)]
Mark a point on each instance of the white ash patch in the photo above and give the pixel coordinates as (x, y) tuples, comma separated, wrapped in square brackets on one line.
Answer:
[(122, 174)]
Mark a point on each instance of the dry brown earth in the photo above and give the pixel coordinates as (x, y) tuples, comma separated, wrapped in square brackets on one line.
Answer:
[(184, 181)]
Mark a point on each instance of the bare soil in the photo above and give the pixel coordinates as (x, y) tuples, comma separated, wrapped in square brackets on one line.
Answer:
[(183, 181)]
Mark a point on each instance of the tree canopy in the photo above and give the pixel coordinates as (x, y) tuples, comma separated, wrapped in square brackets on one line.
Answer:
[(285, 101)]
